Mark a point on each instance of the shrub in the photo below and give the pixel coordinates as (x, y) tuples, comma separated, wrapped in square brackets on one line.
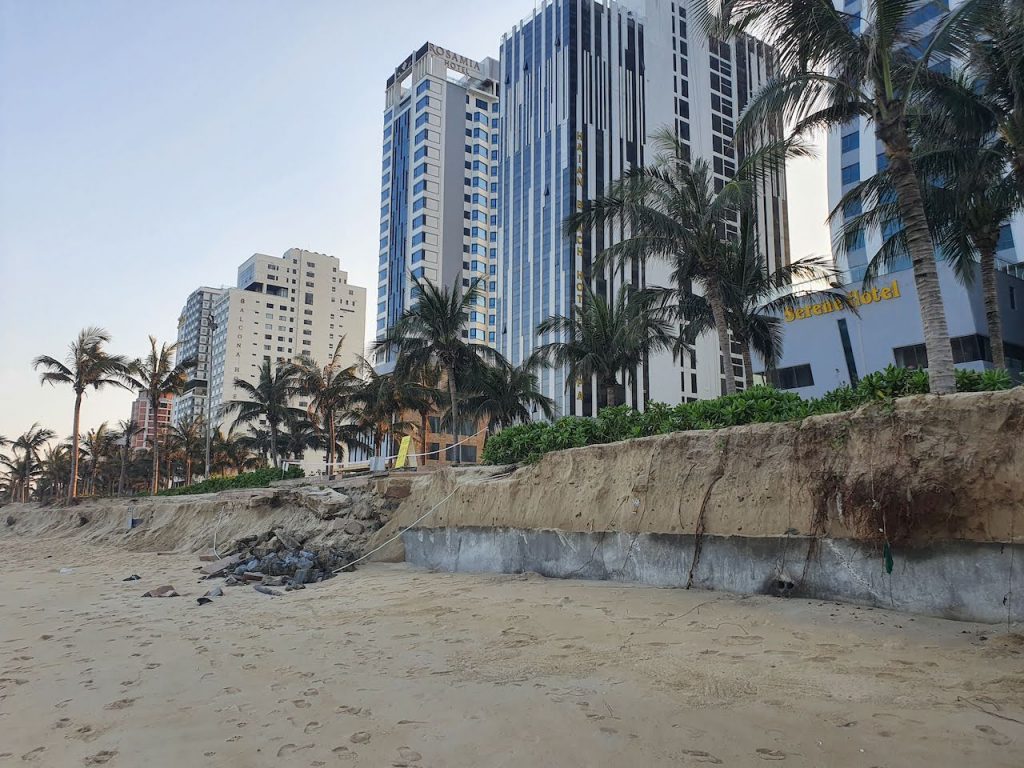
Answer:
[(762, 404), (261, 478)]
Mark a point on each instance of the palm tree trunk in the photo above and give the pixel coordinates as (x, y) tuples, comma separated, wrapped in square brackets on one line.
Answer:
[(124, 468), (154, 404), (990, 296), (457, 449), (748, 364), (273, 446), (331, 448), (941, 373), (73, 485), (609, 392), (423, 435), (722, 327), (188, 470)]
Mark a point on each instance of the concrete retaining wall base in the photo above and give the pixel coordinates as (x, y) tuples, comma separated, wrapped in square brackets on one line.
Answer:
[(962, 580)]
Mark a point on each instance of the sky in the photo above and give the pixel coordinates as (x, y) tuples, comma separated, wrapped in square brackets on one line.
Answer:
[(148, 148)]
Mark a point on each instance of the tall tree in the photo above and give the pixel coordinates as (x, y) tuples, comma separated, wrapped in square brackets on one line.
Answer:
[(97, 445), (24, 464), (127, 430), (86, 365), (753, 298), (378, 405), (157, 376), (675, 213), (328, 388), (189, 436), (505, 394), (434, 331), (269, 399), (836, 67), (606, 340)]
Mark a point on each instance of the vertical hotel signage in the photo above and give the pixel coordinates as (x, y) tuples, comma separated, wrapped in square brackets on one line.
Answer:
[(578, 245)]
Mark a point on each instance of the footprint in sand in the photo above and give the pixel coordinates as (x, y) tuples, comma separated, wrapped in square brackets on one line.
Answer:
[(359, 737), (994, 736), (120, 704), (698, 756), (101, 758), (312, 727), (343, 753), (33, 754), (770, 754), (301, 704), (291, 749)]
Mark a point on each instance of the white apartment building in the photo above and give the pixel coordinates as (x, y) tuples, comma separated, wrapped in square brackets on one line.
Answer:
[(298, 304), (438, 215)]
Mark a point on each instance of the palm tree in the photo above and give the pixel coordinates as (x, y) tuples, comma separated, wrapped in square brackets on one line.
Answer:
[(189, 436), (753, 298), (836, 68), (675, 214), (379, 403), (157, 377), (605, 340), (328, 388), (255, 441), (97, 445), (299, 435), (56, 464), (229, 452), (433, 332), (505, 394), (24, 464), (268, 399), (87, 364), (127, 430)]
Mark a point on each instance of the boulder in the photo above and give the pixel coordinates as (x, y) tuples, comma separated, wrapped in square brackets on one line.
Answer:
[(354, 528)]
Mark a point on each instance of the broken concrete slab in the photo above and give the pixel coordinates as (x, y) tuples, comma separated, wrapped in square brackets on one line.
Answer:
[(218, 567)]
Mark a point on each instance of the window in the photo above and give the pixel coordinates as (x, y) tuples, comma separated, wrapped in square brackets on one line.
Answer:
[(914, 356), (420, 221), (419, 255), (419, 204), (419, 186), (418, 238), (422, 120), (424, 102), (423, 87), (969, 349), (419, 272), (792, 378), (481, 104), (420, 153), (422, 135), (308, 298), (422, 169), (850, 141), (851, 173)]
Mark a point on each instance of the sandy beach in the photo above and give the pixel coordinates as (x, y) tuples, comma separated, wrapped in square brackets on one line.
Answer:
[(390, 666)]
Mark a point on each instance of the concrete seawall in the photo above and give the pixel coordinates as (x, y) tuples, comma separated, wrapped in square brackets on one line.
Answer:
[(940, 480), (968, 581)]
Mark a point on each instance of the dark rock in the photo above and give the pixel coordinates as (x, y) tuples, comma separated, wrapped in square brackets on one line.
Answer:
[(354, 528), (10, 520), (266, 590), (164, 591), (273, 581), (301, 576), (252, 576)]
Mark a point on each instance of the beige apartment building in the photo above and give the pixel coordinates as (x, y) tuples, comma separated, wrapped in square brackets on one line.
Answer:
[(298, 304)]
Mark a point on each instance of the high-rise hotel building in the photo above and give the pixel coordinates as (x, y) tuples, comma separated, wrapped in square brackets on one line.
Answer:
[(855, 154), (585, 86), (283, 307), (195, 337), (438, 214)]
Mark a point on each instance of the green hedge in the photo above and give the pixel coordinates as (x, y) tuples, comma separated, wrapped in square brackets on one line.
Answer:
[(758, 405), (261, 478)]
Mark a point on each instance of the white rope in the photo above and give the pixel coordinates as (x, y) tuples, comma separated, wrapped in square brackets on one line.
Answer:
[(411, 525)]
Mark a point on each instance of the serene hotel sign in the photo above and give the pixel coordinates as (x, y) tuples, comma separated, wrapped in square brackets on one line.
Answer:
[(857, 299)]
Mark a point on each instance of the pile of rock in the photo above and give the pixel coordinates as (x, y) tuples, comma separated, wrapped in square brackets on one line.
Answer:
[(276, 559)]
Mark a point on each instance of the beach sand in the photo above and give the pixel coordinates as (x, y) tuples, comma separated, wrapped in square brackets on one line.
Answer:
[(389, 666)]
